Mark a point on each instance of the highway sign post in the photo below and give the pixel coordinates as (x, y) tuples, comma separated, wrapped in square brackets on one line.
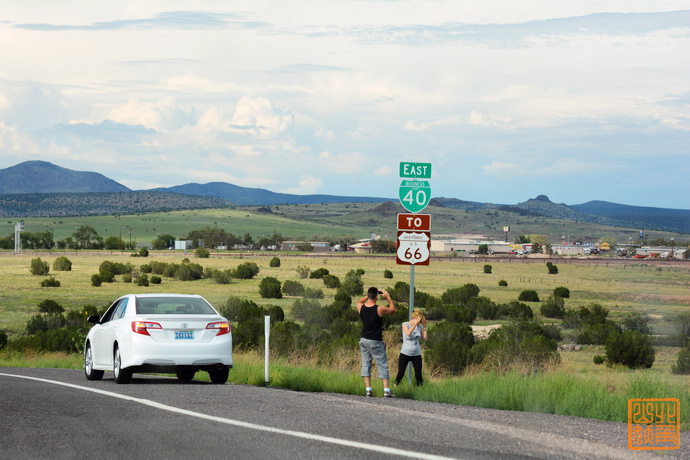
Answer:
[(414, 230)]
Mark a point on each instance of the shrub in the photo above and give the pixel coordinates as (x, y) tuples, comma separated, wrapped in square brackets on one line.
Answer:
[(155, 279), (276, 313), (682, 321), (553, 270), (3, 339), (96, 280), (630, 348), (459, 314), (319, 273), (503, 283), (553, 307), (127, 278), (246, 271), (221, 276), (459, 295), (562, 292), (517, 310), (275, 262), (230, 308), (50, 306), (50, 282), (302, 307), (143, 252), (353, 285), (202, 253), (331, 281), (310, 293), (598, 359), (293, 288), (302, 271), (487, 268), (637, 322), (682, 365), (143, 280), (115, 268), (62, 264), (188, 272), (528, 295), (487, 310), (39, 267), (269, 288), (449, 346), (146, 268), (107, 277), (387, 274)]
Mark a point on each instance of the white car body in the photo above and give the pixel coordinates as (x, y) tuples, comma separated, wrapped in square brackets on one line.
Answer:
[(165, 333)]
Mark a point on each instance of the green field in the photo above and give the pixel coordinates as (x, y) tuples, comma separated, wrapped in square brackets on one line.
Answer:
[(327, 220)]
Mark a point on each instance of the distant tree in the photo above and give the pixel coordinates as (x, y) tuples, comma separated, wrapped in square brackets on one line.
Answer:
[(522, 239), (39, 267), (483, 249), (164, 241), (113, 243), (62, 264), (86, 237)]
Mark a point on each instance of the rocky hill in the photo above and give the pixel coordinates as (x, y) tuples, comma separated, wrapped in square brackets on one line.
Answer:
[(44, 177)]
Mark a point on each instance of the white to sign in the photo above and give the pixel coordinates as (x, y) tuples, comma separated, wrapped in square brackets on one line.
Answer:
[(415, 194), (413, 248), (414, 222)]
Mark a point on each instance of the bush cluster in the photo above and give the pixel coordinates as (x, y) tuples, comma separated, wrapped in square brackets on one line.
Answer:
[(528, 295), (245, 271), (62, 264), (50, 282), (293, 288), (553, 270), (319, 273), (275, 262), (553, 307), (269, 288), (39, 267), (202, 253), (630, 348)]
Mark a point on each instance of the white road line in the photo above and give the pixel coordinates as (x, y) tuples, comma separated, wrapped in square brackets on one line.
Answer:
[(251, 426)]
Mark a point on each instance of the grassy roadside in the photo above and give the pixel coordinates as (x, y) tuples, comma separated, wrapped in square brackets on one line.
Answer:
[(551, 392)]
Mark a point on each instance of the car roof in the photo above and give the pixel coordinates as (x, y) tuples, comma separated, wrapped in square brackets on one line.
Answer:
[(179, 296)]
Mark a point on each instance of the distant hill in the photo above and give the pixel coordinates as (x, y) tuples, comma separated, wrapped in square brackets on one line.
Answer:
[(41, 189), (45, 177), (257, 196), (98, 204), (639, 216)]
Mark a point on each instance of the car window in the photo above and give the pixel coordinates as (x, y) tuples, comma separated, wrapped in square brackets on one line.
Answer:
[(120, 310), (108, 315), (173, 306)]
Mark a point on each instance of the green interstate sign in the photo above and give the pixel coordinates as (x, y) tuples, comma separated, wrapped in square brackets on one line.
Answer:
[(415, 170)]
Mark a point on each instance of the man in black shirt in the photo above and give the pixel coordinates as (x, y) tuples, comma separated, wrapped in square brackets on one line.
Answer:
[(371, 341)]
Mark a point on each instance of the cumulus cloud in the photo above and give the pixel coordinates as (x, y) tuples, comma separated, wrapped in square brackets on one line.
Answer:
[(260, 116)]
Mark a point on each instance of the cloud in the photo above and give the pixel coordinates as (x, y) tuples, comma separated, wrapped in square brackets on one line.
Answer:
[(308, 185), (259, 116), (181, 20), (107, 130)]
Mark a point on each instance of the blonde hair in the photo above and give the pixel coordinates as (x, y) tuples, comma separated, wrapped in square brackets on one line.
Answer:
[(417, 313)]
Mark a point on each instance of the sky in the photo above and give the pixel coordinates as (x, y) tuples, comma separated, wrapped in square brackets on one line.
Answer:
[(577, 100)]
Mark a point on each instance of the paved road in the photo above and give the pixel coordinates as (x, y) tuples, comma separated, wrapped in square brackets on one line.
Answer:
[(57, 413)]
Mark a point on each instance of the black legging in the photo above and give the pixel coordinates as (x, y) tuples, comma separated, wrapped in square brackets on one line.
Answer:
[(416, 364)]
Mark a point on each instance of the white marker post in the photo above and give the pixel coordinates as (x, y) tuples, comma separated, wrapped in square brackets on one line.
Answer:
[(267, 332)]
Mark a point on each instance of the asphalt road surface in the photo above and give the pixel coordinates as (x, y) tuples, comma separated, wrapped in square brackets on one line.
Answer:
[(57, 413)]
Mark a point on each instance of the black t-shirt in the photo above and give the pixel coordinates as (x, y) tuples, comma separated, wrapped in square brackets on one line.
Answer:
[(372, 323)]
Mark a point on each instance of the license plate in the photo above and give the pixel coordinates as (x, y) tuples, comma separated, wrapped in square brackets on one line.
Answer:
[(184, 335)]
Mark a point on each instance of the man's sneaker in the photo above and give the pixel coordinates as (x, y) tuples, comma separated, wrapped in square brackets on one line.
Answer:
[(388, 394), (369, 394)]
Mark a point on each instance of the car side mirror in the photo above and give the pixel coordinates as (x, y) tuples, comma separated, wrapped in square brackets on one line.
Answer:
[(94, 319)]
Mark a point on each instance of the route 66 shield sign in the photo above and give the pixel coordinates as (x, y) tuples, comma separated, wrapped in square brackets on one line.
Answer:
[(413, 248)]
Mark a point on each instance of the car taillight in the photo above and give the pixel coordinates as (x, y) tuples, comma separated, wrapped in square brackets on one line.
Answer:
[(222, 327), (142, 327)]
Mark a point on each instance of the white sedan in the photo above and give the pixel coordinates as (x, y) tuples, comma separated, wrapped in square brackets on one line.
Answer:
[(164, 333)]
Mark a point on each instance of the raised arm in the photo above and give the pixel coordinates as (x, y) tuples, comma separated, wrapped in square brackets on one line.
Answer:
[(390, 309)]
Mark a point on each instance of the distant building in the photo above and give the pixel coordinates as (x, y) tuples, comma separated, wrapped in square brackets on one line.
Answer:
[(470, 246), (318, 246)]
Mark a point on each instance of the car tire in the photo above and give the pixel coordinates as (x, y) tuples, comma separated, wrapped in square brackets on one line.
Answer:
[(121, 375), (219, 376), (186, 375), (89, 371)]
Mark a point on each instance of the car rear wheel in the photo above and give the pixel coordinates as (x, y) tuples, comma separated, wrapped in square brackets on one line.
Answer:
[(121, 375), (219, 376), (186, 375), (91, 373)]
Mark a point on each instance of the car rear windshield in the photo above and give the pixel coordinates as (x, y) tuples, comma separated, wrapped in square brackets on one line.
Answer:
[(173, 306)]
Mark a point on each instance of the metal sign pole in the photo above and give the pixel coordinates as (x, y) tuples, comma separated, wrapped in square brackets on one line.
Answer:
[(411, 303)]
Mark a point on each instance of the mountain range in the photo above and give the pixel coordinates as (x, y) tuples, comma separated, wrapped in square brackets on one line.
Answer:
[(41, 189)]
